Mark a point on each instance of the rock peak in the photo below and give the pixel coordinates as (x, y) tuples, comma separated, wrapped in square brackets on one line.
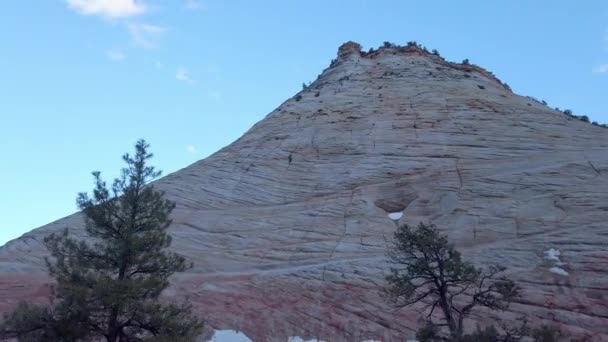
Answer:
[(412, 48), (349, 48)]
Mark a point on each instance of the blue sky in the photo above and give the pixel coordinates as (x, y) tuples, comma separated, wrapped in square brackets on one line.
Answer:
[(82, 80)]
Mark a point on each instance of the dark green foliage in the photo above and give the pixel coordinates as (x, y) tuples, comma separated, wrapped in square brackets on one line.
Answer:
[(304, 86), (298, 97), (502, 334), (428, 333), (544, 102), (108, 287), (584, 118), (427, 269), (388, 45), (32, 323), (546, 334), (465, 61), (488, 334), (435, 52), (568, 112)]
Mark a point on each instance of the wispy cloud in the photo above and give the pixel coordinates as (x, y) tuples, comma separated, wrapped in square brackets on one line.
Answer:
[(195, 5), (116, 55), (146, 35), (182, 75), (108, 8), (601, 69), (191, 148)]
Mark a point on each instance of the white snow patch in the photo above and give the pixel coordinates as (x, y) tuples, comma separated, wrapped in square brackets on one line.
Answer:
[(299, 339), (558, 270), (395, 216), (553, 254), (229, 336)]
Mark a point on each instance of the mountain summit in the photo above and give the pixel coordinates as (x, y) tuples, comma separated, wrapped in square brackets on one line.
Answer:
[(287, 224)]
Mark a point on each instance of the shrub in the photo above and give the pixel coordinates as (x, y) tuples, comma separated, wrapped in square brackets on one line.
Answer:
[(428, 333), (546, 334)]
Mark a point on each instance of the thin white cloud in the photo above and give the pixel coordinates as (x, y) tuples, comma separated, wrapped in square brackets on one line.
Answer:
[(182, 75), (601, 69), (108, 8), (116, 55), (195, 5), (191, 148), (146, 35)]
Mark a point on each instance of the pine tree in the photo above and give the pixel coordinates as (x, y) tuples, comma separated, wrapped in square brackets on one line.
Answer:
[(108, 287), (427, 269)]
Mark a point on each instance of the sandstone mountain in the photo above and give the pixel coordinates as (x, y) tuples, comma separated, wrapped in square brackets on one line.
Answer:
[(287, 225)]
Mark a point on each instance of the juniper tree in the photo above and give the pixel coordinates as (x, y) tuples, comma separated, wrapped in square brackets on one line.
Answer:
[(108, 286), (427, 269)]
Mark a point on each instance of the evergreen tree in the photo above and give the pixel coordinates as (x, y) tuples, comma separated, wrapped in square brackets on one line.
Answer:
[(427, 269), (108, 287)]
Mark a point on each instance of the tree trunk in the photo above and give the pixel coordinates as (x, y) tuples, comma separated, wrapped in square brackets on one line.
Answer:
[(455, 333)]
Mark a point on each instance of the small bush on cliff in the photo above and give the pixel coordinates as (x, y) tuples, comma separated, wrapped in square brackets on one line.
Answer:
[(107, 288), (546, 333), (430, 333), (427, 270)]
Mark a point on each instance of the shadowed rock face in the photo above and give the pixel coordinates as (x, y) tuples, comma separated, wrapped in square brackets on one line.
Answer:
[(286, 225)]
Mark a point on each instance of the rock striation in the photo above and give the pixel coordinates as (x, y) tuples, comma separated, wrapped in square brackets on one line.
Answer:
[(287, 225)]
